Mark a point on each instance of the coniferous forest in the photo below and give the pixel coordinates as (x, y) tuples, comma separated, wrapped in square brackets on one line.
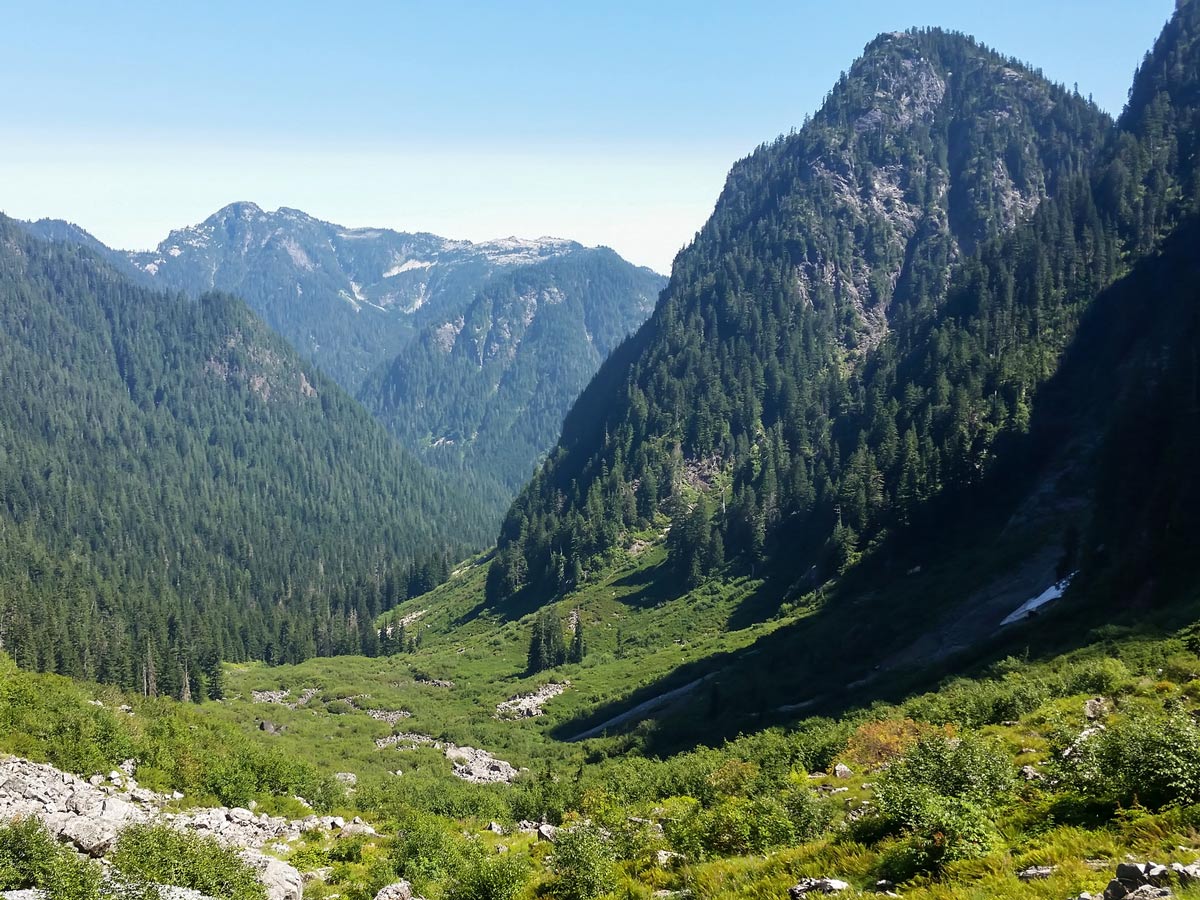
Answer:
[(855, 558), (179, 489), (866, 321)]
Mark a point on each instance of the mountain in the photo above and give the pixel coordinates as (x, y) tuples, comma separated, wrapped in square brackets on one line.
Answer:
[(470, 353), (773, 367), (485, 391), (178, 487), (349, 299)]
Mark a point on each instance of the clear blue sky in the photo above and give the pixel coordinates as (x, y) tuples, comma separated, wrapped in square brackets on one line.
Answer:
[(611, 123)]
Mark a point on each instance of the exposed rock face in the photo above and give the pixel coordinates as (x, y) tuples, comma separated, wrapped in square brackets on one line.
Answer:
[(479, 766), (283, 698), (525, 706), (476, 766), (89, 815)]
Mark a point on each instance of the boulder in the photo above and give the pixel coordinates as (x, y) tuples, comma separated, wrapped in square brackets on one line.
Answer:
[(1033, 873), (282, 882), (546, 832), (666, 859), (807, 886), (841, 770), (92, 837), (1186, 874), (1096, 708), (400, 890)]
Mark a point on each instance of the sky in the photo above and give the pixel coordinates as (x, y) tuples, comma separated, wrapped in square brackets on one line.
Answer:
[(610, 123)]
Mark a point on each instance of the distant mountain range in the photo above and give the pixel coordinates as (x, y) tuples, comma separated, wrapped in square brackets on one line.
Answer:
[(471, 352)]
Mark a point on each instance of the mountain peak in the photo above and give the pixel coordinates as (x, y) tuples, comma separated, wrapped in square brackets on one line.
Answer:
[(241, 209)]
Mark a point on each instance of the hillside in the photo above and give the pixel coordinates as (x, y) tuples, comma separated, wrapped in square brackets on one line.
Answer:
[(180, 488), (346, 298), (829, 389), (485, 391), (470, 353)]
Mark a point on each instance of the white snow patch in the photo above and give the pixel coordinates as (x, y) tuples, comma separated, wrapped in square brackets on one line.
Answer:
[(1048, 595), (407, 266), (174, 251), (296, 252)]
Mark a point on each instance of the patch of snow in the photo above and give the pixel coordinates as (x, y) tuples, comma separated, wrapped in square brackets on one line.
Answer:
[(512, 251), (296, 252), (1050, 594), (174, 251), (407, 266)]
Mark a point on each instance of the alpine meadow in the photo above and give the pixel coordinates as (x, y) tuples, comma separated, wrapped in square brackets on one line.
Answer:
[(855, 555)]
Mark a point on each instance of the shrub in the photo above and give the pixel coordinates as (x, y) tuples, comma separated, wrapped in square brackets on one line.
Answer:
[(1146, 758), (31, 858), (965, 768), (809, 814), (1103, 675), (484, 877), (166, 856), (874, 744), (584, 866), (937, 798)]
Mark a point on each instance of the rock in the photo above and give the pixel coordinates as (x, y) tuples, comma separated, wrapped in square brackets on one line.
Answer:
[(546, 832), (281, 881), (479, 766), (807, 886), (1115, 890), (666, 859), (525, 706), (239, 815), (170, 892), (357, 828), (90, 836), (495, 828), (1029, 773), (841, 770), (1096, 708), (1036, 872), (1148, 892), (27, 894), (400, 890), (347, 778), (1186, 874)]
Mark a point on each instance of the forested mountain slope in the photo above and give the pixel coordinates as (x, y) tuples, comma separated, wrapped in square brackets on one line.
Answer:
[(485, 391), (471, 353), (770, 364), (347, 298), (177, 487)]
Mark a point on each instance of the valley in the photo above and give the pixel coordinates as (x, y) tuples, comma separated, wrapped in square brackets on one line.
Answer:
[(857, 557)]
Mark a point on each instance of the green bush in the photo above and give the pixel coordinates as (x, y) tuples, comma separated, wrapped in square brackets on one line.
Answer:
[(424, 852), (31, 858), (166, 856), (937, 798), (583, 866), (483, 877), (1147, 758)]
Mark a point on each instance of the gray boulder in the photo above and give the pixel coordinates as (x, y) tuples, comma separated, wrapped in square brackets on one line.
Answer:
[(807, 886), (283, 882)]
